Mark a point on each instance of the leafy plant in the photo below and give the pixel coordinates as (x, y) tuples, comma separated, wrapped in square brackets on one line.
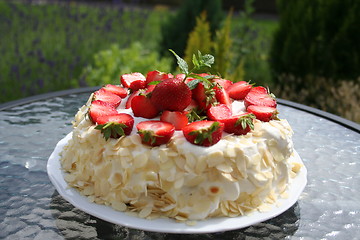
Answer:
[(109, 64)]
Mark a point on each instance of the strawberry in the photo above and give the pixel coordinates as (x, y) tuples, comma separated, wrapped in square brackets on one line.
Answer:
[(263, 113), (259, 96), (156, 75), (239, 90), (131, 96), (115, 125), (99, 108), (204, 97), (134, 81), (121, 92), (106, 96), (219, 112), (203, 133), (239, 124), (223, 83), (142, 107), (155, 133), (180, 76), (178, 119), (222, 96), (259, 89), (171, 94)]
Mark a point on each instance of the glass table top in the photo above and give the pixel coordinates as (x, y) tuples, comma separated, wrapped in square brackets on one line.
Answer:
[(31, 208)]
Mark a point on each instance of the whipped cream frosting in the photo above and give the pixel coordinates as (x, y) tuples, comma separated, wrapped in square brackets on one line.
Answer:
[(237, 175)]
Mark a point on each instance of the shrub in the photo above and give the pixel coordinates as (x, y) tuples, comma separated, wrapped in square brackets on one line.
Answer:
[(109, 64), (315, 54), (319, 38), (175, 30)]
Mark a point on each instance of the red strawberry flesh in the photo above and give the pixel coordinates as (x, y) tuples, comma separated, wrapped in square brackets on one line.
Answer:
[(99, 108), (106, 96), (178, 119), (120, 118), (153, 76), (259, 96), (155, 133), (134, 81), (219, 112), (143, 107), (203, 133), (239, 90), (263, 113), (235, 126), (121, 92)]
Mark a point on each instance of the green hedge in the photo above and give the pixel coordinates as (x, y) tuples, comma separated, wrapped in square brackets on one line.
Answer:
[(319, 38)]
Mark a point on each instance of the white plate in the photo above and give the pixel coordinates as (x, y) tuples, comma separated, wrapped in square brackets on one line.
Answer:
[(106, 213)]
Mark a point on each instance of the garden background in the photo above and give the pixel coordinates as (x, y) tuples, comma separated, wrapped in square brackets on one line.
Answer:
[(305, 51)]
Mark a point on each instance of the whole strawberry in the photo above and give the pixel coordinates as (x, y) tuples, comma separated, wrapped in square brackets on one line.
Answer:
[(203, 133), (171, 94)]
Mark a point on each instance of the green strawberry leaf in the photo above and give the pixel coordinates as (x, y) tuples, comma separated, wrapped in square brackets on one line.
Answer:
[(246, 121), (154, 83), (111, 129)]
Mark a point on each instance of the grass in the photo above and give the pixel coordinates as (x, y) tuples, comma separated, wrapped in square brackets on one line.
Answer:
[(46, 47)]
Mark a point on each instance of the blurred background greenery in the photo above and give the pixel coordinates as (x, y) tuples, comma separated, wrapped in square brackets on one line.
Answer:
[(305, 51)]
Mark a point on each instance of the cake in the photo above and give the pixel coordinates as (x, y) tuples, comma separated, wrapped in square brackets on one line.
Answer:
[(187, 147)]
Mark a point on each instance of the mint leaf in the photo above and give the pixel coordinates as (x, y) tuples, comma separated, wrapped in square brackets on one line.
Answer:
[(181, 62), (193, 84), (196, 62), (207, 60)]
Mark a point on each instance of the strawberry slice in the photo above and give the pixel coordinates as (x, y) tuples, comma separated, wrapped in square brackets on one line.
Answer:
[(239, 124), (131, 96), (263, 113), (171, 94), (239, 90), (156, 75), (260, 96), (155, 133), (219, 112), (106, 96), (223, 83), (99, 108), (121, 92), (259, 89), (176, 118), (203, 133), (222, 96), (115, 125), (142, 107), (134, 81)]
